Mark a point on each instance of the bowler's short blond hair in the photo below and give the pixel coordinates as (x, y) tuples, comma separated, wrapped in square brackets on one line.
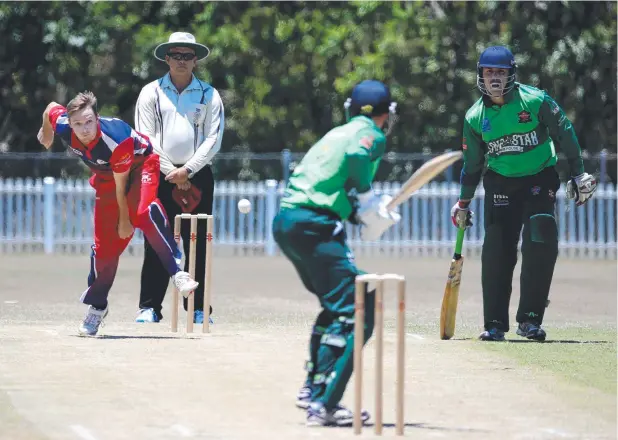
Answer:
[(82, 101)]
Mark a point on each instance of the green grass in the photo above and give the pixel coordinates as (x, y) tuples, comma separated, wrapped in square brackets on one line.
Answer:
[(580, 355)]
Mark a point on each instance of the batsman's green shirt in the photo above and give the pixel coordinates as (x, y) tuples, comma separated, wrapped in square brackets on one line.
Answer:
[(518, 138), (345, 159)]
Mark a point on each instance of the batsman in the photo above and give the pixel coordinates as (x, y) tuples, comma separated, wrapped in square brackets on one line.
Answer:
[(516, 128), (330, 185)]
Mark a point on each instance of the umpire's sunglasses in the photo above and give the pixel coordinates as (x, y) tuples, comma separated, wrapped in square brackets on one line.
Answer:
[(181, 56)]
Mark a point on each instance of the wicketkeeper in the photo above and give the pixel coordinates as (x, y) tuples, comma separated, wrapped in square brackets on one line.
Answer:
[(517, 128), (332, 184), (125, 179)]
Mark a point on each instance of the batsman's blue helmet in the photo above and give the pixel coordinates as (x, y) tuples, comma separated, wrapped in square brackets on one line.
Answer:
[(497, 57), (372, 98)]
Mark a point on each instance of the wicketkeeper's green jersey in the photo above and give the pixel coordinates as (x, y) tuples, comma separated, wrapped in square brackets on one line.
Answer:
[(345, 159), (518, 138)]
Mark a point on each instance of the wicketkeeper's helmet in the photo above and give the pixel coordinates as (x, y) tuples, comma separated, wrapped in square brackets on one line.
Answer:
[(498, 57)]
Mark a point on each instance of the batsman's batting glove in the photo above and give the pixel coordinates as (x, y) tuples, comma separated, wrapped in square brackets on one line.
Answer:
[(580, 188), (461, 214), (374, 216)]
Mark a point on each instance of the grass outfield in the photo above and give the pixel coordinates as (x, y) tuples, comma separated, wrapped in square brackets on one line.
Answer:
[(584, 356)]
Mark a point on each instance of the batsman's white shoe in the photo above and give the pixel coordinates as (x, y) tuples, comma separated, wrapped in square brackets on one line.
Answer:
[(184, 283), (93, 320), (318, 415), (344, 416), (303, 398)]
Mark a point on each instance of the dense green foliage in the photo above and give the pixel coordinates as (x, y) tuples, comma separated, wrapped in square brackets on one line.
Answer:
[(284, 69)]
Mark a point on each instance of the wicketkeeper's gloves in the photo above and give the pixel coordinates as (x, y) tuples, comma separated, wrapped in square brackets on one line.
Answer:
[(580, 188)]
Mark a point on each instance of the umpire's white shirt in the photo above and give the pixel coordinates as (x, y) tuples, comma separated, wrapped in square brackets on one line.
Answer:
[(186, 128)]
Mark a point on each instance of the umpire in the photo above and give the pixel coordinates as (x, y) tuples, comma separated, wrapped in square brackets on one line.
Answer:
[(517, 128), (183, 117)]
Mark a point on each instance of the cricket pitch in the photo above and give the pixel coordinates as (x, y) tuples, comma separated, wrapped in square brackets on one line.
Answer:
[(140, 381)]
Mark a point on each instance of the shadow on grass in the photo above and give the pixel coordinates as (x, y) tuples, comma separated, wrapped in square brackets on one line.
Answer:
[(135, 337), (557, 341), (370, 425), (549, 341)]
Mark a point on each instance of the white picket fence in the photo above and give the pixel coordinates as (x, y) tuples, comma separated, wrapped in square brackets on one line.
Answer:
[(56, 216)]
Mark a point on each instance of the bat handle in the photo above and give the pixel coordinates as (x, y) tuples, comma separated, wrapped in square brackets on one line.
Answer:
[(459, 243)]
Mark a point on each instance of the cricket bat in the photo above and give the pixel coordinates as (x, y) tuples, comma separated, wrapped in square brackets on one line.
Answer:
[(423, 175), (451, 291)]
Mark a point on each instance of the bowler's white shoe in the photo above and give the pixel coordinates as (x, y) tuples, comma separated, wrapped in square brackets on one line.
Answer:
[(93, 320), (184, 283)]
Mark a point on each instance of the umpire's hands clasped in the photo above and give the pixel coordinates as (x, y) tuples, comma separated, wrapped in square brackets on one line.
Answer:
[(461, 214)]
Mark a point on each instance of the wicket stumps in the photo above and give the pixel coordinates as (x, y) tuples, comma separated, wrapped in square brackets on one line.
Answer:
[(192, 256), (359, 324)]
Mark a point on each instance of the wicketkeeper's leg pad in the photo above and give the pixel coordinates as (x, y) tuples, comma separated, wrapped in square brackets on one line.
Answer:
[(539, 254), (543, 229), (498, 258)]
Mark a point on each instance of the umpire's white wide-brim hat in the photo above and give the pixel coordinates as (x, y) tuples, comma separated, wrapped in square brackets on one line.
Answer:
[(181, 39)]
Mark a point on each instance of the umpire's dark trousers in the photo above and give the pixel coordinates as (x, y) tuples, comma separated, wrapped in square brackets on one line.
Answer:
[(155, 278)]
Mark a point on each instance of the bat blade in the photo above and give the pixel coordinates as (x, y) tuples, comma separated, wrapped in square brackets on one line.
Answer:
[(448, 313), (450, 300), (423, 175)]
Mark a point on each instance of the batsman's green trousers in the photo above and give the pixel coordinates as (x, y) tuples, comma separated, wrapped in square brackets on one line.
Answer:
[(511, 203), (314, 241)]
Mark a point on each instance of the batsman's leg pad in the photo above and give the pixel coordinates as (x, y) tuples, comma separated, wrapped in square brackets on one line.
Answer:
[(539, 254), (319, 329), (339, 372)]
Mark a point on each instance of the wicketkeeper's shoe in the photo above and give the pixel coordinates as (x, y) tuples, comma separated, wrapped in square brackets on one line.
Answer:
[(184, 283), (303, 398), (492, 335), (93, 320), (147, 315), (318, 415), (532, 331)]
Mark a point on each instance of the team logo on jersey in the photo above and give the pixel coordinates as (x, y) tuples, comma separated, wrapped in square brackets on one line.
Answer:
[(536, 190), (514, 143), (125, 159), (76, 151), (554, 106), (367, 142), (524, 117), (485, 125), (196, 116)]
